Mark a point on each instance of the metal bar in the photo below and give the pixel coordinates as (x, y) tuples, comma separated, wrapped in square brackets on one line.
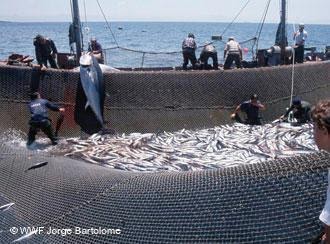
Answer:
[(283, 30), (77, 28)]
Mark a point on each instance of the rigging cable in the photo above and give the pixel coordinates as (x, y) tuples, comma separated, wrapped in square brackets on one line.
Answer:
[(172, 52), (261, 25), (237, 15), (293, 66), (108, 25), (86, 28)]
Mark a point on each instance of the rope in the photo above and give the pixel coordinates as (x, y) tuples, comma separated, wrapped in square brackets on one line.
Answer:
[(237, 15), (261, 25), (293, 68), (85, 12), (142, 62), (173, 52), (87, 29), (108, 25)]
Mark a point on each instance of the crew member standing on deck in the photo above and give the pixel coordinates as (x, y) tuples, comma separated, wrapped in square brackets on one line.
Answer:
[(251, 109), (321, 121), (232, 52), (96, 49), (39, 118), (45, 50), (300, 37), (188, 51)]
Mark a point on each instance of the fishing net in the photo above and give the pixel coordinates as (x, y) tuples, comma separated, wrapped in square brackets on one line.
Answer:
[(142, 59), (277, 201), (156, 101)]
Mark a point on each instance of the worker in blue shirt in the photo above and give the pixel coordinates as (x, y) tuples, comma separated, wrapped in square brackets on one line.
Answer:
[(251, 109), (39, 117)]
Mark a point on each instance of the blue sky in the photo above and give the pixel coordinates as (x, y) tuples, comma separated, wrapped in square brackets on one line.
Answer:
[(307, 11)]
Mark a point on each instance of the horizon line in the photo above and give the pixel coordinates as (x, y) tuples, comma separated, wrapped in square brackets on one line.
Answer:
[(152, 21)]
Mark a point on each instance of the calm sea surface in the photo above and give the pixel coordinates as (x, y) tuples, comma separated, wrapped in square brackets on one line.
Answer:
[(148, 37)]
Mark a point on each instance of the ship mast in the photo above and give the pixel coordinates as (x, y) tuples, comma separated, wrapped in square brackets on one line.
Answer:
[(77, 28), (283, 41)]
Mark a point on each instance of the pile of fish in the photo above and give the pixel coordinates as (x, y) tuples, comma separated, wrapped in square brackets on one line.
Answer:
[(218, 147)]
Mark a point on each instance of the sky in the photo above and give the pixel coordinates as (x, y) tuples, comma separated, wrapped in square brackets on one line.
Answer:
[(306, 11)]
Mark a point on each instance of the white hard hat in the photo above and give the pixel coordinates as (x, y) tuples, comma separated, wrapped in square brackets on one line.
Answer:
[(86, 60), (301, 25), (231, 38)]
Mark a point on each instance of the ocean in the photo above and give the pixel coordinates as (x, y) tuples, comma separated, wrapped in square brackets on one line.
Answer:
[(145, 39)]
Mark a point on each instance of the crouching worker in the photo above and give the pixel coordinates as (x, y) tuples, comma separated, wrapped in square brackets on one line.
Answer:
[(251, 109), (300, 110), (39, 118), (321, 121), (209, 51)]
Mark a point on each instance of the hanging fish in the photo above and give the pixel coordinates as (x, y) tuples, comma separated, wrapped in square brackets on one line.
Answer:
[(90, 96)]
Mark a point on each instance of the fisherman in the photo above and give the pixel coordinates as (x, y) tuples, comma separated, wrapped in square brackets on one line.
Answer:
[(188, 51), (300, 37), (72, 38), (301, 111), (251, 108), (232, 52), (321, 121), (209, 51), (39, 118), (96, 49), (45, 50)]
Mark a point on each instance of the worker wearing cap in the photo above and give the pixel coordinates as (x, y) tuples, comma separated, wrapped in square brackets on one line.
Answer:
[(232, 52), (96, 49), (207, 52), (46, 51), (300, 37), (251, 109), (301, 111), (188, 51)]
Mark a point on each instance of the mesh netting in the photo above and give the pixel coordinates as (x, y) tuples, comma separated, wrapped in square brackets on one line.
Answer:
[(153, 101), (131, 58), (277, 201)]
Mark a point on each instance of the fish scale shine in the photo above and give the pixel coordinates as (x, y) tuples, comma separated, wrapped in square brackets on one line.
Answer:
[(218, 147)]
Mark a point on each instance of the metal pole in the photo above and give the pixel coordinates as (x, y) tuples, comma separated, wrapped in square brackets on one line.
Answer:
[(77, 28), (283, 30)]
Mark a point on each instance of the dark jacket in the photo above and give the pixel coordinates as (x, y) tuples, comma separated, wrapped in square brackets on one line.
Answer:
[(39, 109), (94, 47), (302, 113), (252, 113), (43, 51)]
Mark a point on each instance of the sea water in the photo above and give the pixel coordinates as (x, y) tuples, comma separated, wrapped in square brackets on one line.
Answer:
[(17, 37)]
